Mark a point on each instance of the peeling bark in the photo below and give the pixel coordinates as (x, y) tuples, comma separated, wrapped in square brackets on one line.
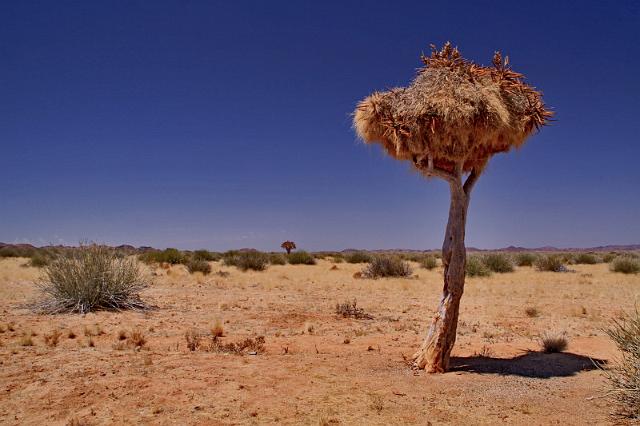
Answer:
[(435, 351)]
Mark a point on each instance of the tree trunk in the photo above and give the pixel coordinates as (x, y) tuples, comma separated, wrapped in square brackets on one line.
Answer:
[(434, 353)]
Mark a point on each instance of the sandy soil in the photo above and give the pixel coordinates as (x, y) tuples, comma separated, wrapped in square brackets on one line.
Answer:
[(309, 374)]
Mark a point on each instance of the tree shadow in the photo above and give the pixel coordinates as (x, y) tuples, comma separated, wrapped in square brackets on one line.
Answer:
[(530, 364)]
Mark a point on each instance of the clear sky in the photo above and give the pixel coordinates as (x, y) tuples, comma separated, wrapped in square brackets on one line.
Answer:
[(226, 124)]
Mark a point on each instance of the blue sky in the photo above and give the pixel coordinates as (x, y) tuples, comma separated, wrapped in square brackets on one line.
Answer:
[(210, 124)]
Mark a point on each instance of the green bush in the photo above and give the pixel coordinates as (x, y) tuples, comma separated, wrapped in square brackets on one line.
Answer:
[(429, 262), (387, 266), (550, 263), (206, 255), (625, 265), (245, 260), (525, 259), (13, 251), (358, 257), (171, 255), (498, 262), (39, 260), (585, 259), (277, 259), (198, 265), (608, 257), (91, 278), (475, 267), (301, 258)]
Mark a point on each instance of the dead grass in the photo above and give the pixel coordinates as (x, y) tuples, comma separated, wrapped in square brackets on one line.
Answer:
[(52, 338), (351, 310), (251, 346), (553, 342)]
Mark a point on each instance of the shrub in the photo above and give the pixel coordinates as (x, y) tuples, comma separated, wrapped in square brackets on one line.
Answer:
[(301, 258), (387, 266), (526, 259), (554, 342), (206, 255), (171, 255), (475, 267), (199, 265), (38, 261), (351, 310), (550, 263), (358, 257), (532, 311), (608, 257), (245, 260), (277, 259), (624, 376), (17, 251), (498, 262), (91, 278), (429, 262), (247, 345), (585, 259), (625, 265)]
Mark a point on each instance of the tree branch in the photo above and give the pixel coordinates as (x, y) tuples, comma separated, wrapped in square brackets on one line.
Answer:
[(431, 171), (471, 181)]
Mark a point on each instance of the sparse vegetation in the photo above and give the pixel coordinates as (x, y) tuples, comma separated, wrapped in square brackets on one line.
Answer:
[(554, 342), (429, 262), (171, 256), (193, 339), (498, 262), (358, 257), (351, 310), (550, 263), (199, 265), (246, 346), (532, 311), (91, 278), (387, 266), (624, 376), (52, 338), (217, 330), (525, 259), (625, 265), (277, 259), (247, 260), (301, 258), (475, 267), (205, 255), (585, 259)]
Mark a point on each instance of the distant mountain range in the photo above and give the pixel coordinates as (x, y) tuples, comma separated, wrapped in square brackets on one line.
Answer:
[(611, 247)]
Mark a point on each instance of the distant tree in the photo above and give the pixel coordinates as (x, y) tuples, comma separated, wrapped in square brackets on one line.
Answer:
[(448, 123), (288, 246)]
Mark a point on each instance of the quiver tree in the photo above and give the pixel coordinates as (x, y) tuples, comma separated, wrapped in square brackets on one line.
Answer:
[(288, 246), (448, 123)]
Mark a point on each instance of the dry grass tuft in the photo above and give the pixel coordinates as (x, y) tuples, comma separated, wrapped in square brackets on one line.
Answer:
[(91, 278), (624, 376), (136, 339), (26, 340), (387, 266), (247, 346), (532, 311), (351, 310), (217, 330), (550, 263), (193, 339), (52, 339), (554, 342), (625, 265)]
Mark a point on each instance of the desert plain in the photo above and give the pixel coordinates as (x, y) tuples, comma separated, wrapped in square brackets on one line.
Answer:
[(317, 367)]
